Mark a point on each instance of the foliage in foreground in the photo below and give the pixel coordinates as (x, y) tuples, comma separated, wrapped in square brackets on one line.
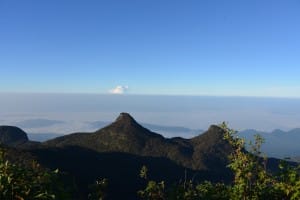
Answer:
[(252, 181), (19, 182)]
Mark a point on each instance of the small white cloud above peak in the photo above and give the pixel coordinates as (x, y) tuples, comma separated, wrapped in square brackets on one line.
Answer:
[(119, 90)]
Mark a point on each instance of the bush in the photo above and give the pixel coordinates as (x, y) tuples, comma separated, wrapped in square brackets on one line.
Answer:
[(19, 182), (251, 180)]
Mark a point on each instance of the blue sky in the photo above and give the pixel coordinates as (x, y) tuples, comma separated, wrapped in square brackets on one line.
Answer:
[(240, 48)]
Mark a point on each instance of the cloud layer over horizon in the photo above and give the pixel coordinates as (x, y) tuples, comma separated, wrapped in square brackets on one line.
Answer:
[(187, 111)]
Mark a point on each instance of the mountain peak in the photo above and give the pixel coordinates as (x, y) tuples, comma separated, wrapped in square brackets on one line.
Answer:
[(215, 128), (127, 125), (126, 118)]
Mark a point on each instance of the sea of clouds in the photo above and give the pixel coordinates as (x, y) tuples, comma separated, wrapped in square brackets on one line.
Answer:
[(68, 113)]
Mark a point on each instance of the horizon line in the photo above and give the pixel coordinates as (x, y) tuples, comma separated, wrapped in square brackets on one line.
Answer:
[(144, 94)]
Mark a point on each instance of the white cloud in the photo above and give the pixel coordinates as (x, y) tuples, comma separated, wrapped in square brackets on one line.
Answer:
[(119, 90)]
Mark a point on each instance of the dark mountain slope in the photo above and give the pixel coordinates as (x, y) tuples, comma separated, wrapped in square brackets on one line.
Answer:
[(211, 149), (12, 136), (127, 136), (121, 169)]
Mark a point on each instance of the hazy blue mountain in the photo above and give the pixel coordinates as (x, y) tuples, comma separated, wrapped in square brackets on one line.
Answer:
[(278, 143)]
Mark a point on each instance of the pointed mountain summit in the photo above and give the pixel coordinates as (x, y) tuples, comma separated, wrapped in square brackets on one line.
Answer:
[(126, 119), (125, 124), (123, 135)]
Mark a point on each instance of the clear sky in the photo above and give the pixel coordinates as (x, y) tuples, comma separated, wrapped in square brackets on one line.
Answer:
[(200, 47)]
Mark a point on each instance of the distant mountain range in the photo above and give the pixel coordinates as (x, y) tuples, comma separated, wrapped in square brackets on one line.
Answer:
[(278, 143), (118, 150)]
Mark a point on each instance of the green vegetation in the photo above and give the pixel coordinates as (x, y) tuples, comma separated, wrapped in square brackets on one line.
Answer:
[(251, 181), (22, 183)]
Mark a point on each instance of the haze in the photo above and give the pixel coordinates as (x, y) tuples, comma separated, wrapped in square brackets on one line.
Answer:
[(66, 113)]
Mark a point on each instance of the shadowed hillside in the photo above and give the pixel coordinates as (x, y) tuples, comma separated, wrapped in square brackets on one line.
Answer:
[(207, 151), (12, 136), (121, 169)]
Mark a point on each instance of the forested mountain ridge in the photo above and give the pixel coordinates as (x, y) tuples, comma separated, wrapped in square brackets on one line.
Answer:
[(127, 136)]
